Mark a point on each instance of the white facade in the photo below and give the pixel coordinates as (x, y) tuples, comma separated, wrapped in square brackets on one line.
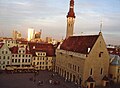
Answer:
[(5, 57), (41, 61)]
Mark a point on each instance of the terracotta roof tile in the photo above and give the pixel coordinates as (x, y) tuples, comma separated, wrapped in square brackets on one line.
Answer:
[(114, 51), (79, 44), (14, 49)]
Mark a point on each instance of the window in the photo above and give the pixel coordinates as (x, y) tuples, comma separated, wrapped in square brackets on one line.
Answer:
[(16, 55), (12, 60), (33, 63), (6, 52), (3, 62), (34, 58), (100, 54), (12, 55), (18, 60), (40, 63), (78, 69), (118, 70), (3, 66), (19, 51), (2, 52), (19, 55), (3, 57), (8, 57), (0, 57), (91, 71), (101, 72), (23, 55), (28, 60), (7, 62), (75, 67), (43, 62), (8, 44), (37, 63), (15, 60), (46, 63), (26, 55), (22, 60), (25, 60)]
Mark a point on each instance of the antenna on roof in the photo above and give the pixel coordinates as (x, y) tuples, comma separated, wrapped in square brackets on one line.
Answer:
[(101, 25)]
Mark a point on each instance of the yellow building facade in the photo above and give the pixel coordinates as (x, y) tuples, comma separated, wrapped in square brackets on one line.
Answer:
[(83, 60)]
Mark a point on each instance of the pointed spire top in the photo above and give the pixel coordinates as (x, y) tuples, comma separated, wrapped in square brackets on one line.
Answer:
[(101, 25), (71, 10)]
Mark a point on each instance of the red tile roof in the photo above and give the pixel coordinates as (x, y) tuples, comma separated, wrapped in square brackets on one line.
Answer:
[(114, 51), (14, 50), (42, 47), (79, 44)]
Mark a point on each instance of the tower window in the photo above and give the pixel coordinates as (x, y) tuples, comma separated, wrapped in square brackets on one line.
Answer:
[(101, 72), (91, 71)]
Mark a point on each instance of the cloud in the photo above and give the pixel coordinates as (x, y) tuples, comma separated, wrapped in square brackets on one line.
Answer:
[(51, 16)]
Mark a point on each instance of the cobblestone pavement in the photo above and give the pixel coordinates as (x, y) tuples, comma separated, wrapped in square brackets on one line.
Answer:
[(30, 80), (44, 79)]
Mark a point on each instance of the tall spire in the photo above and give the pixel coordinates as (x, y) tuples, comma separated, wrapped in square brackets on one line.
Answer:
[(70, 20), (71, 10)]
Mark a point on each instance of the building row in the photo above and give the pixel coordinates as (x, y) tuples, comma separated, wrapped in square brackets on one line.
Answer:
[(27, 55), (84, 60)]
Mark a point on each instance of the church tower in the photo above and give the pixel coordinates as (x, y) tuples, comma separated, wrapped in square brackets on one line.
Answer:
[(70, 20)]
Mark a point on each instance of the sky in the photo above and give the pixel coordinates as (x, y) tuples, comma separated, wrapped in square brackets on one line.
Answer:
[(50, 17)]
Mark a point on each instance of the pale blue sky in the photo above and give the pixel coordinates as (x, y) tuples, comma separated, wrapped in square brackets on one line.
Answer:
[(50, 16)]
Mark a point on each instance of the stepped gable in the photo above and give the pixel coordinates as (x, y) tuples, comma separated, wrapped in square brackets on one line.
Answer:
[(79, 44)]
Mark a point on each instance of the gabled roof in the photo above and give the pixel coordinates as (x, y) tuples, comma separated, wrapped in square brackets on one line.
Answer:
[(79, 44), (42, 47)]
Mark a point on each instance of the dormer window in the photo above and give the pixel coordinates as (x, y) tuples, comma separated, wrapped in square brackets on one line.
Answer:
[(33, 47), (100, 54), (19, 51), (88, 50)]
